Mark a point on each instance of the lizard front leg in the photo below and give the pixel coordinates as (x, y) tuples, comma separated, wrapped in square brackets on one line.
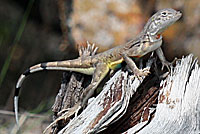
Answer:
[(100, 72), (134, 68), (162, 58)]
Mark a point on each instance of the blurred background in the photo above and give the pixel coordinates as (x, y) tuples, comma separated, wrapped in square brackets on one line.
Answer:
[(35, 31)]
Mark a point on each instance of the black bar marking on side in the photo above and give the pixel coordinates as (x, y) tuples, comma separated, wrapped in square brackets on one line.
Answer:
[(134, 44)]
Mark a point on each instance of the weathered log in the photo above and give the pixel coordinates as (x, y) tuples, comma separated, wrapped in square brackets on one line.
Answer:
[(178, 110), (108, 106), (104, 109), (127, 104)]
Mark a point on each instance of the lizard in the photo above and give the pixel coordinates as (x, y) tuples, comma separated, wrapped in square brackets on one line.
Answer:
[(149, 40)]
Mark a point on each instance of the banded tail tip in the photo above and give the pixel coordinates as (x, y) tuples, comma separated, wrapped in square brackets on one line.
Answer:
[(16, 109)]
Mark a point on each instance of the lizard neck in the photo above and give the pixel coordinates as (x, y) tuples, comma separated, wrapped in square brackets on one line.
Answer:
[(142, 45)]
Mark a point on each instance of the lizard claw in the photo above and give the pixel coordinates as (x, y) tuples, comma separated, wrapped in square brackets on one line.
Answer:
[(168, 64), (76, 112), (141, 72)]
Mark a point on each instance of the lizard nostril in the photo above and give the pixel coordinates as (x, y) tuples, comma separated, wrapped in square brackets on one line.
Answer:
[(178, 13)]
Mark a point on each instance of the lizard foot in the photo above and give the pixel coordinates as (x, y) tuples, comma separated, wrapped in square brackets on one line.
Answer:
[(141, 72), (168, 64), (71, 111)]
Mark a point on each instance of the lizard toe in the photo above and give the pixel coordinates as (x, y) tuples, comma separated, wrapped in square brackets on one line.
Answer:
[(166, 64), (143, 72)]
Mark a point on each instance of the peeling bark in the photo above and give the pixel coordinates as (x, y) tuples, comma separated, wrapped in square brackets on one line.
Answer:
[(127, 105), (69, 93), (178, 109)]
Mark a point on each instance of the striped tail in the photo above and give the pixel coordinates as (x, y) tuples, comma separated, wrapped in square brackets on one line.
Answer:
[(36, 68), (70, 65)]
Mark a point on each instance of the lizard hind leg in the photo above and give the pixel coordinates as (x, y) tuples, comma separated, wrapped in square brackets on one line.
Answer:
[(100, 72)]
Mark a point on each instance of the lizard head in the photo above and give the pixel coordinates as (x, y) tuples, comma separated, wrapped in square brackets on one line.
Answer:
[(161, 20)]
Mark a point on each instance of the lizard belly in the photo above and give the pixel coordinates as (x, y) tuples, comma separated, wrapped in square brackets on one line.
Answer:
[(88, 71), (115, 64)]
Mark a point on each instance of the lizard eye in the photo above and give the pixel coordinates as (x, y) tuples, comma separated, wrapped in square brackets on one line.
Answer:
[(164, 13)]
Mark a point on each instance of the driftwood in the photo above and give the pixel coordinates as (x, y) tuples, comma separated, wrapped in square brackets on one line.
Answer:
[(178, 110), (149, 105)]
